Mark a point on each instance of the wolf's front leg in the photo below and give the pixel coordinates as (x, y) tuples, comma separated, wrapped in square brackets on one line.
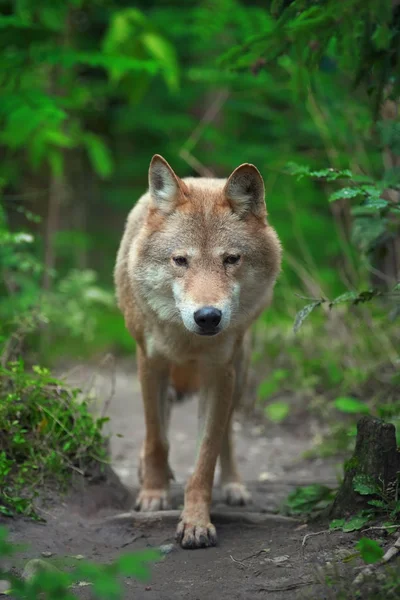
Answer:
[(195, 529), (154, 470)]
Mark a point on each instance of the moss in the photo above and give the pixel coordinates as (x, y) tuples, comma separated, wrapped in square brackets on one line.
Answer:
[(351, 463)]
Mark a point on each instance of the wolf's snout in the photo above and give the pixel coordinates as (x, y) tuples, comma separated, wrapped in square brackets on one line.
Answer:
[(207, 318)]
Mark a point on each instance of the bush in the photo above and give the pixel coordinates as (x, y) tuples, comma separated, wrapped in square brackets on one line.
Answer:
[(47, 432)]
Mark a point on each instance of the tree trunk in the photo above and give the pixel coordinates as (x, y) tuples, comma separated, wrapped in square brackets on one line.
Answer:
[(386, 255), (57, 194), (376, 457), (57, 182)]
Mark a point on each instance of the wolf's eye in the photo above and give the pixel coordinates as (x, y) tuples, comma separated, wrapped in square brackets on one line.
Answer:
[(232, 259), (180, 261)]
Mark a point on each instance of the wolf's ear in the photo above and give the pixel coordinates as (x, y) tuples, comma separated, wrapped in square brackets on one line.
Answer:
[(245, 191), (165, 186)]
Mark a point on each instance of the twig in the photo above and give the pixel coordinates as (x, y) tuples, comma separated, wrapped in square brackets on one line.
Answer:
[(311, 299), (249, 557), (237, 561), (391, 553), (285, 588), (196, 165), (381, 528), (134, 539), (209, 116), (312, 534)]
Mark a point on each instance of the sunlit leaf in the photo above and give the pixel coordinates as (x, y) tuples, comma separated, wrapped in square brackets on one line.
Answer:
[(277, 411), (351, 405)]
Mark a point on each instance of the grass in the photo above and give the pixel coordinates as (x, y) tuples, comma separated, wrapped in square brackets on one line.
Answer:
[(46, 434)]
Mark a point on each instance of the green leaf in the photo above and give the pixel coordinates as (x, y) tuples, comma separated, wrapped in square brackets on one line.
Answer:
[(131, 564), (304, 500), (370, 550), (107, 587), (377, 503), (355, 523), (328, 174), (345, 194), (58, 138), (364, 485), (272, 384), (336, 524), (99, 154), (304, 313), (346, 297), (164, 53), (277, 411), (56, 161), (351, 405)]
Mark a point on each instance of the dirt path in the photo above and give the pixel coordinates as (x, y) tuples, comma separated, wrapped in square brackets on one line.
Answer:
[(250, 561)]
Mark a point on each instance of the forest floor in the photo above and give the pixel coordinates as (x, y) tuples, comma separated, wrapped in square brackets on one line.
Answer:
[(250, 561)]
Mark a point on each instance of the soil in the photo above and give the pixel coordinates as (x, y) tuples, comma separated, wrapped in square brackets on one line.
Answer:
[(260, 560)]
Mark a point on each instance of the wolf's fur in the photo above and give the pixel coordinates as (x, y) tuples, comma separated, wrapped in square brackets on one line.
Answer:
[(190, 244)]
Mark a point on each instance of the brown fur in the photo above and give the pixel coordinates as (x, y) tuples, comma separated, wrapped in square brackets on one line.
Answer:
[(185, 378), (208, 222)]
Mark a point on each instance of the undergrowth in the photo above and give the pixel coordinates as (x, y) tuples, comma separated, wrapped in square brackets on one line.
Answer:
[(46, 433), (342, 364)]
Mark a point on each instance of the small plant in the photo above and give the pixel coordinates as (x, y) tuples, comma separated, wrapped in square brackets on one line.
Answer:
[(370, 550), (45, 435), (309, 500), (47, 582)]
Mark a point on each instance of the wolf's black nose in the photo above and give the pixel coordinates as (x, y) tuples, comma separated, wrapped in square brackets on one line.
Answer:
[(208, 318)]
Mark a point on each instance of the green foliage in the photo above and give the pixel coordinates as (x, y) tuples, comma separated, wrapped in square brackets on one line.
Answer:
[(277, 411), (47, 432), (356, 523), (352, 297), (370, 550), (364, 40), (351, 405), (364, 485), (44, 108), (308, 500), (76, 307), (373, 219), (53, 584), (384, 500), (272, 384)]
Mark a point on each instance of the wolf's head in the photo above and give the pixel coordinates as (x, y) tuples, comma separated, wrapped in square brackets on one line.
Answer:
[(208, 258)]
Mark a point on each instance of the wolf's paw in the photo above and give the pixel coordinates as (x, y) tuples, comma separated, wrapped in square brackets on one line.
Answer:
[(236, 494), (192, 535), (152, 500)]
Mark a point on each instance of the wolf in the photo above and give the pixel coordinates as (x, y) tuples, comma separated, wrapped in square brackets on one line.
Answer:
[(196, 266)]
